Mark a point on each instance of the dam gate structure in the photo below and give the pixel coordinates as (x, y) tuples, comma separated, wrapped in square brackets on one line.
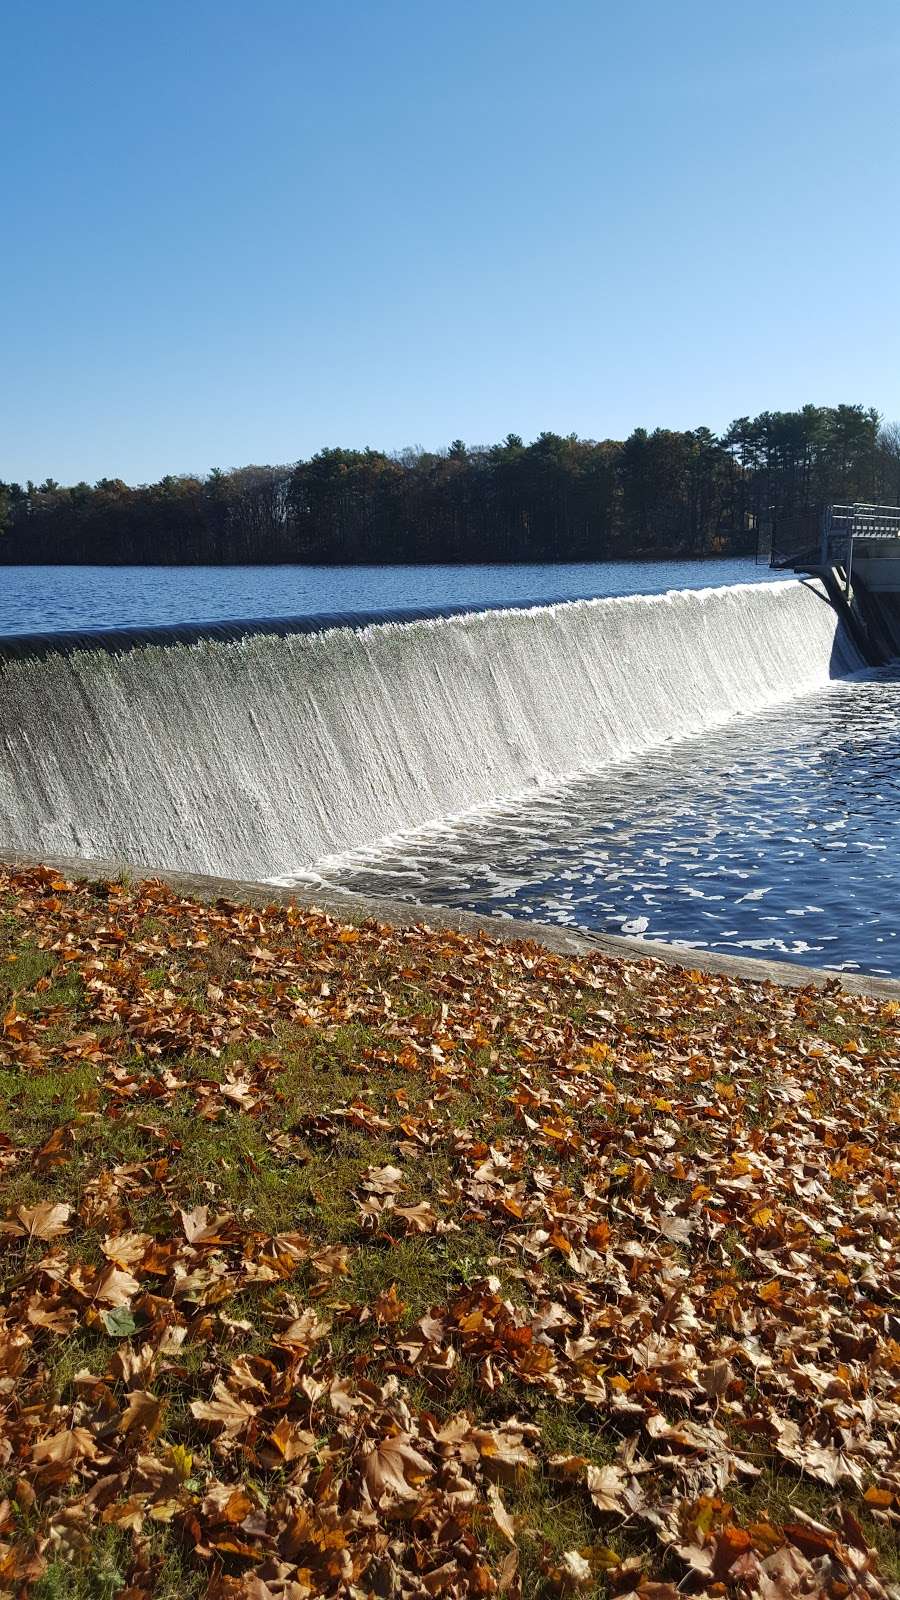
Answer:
[(854, 550), (254, 750)]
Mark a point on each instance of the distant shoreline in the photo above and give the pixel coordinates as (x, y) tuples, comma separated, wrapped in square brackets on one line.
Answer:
[(660, 494), (645, 557)]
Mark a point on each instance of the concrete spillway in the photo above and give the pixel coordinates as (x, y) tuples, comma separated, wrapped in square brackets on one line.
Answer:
[(254, 750)]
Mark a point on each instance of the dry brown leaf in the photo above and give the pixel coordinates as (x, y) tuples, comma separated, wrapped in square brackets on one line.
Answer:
[(44, 1221), (501, 1516), (69, 1444), (394, 1468), (233, 1416), (606, 1486)]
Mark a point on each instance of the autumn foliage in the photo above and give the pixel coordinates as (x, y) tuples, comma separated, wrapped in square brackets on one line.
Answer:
[(349, 1261)]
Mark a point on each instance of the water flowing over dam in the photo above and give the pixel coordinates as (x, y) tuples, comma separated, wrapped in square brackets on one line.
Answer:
[(255, 750)]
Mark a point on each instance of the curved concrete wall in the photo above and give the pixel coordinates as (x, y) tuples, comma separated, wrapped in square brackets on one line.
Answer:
[(256, 752)]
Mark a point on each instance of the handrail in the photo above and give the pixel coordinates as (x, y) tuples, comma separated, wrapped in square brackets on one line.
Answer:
[(863, 520), (836, 528)]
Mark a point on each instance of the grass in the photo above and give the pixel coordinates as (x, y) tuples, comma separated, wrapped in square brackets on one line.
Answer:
[(546, 1117)]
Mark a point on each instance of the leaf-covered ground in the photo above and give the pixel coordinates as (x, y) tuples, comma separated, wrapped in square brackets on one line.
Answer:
[(346, 1261)]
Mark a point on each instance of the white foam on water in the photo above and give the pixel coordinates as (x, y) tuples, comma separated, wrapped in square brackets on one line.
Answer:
[(259, 757)]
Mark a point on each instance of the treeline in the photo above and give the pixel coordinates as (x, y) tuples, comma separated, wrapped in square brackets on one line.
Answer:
[(558, 499)]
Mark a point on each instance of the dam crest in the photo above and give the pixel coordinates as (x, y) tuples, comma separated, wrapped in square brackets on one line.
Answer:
[(256, 749)]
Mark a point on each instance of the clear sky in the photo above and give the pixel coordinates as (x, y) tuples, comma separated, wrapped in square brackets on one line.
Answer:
[(237, 230)]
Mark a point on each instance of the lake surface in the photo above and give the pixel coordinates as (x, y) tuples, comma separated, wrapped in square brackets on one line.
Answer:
[(45, 599), (777, 835)]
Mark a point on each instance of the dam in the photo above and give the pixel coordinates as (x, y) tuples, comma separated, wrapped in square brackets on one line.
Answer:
[(256, 750)]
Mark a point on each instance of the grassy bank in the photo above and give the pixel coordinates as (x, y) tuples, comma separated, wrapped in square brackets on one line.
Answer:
[(348, 1261)]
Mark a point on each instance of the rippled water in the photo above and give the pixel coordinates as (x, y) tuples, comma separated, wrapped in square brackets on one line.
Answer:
[(777, 835), (42, 599)]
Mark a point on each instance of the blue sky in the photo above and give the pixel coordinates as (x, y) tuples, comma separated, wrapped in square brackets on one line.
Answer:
[(237, 232)]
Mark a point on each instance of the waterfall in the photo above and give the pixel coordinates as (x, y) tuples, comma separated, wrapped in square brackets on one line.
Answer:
[(255, 752)]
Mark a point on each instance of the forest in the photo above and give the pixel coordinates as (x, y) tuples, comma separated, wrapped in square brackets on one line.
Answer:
[(560, 498)]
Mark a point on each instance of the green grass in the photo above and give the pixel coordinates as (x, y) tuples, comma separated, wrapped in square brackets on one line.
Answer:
[(101, 1572)]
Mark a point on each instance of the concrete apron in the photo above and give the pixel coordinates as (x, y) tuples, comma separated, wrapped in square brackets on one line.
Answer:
[(400, 914)]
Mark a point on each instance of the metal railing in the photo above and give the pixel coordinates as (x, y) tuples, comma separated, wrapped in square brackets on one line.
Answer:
[(861, 521), (808, 540), (843, 525)]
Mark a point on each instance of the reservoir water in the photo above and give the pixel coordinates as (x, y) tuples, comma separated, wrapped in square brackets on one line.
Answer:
[(39, 599)]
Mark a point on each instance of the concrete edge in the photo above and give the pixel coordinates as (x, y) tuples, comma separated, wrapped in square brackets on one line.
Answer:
[(403, 914)]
